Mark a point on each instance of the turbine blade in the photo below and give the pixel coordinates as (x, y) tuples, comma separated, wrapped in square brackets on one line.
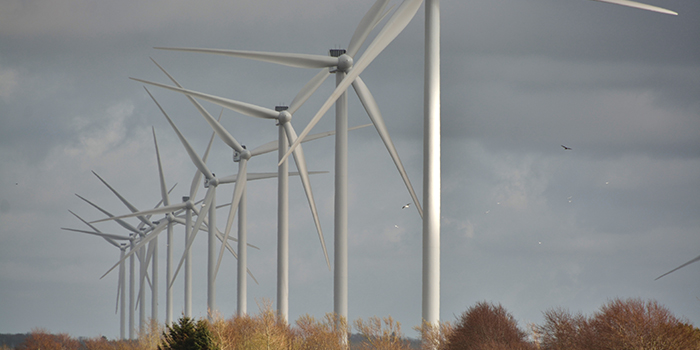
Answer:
[(119, 281), (225, 136), (132, 208), (398, 21), (101, 234), (639, 6), (258, 176), (198, 162), (375, 115), (200, 218), (697, 258), (111, 241), (300, 161), (272, 145), (253, 277), (220, 236), (288, 59), (241, 182), (365, 26), (122, 223), (163, 187), (146, 262), (237, 106), (153, 234), (160, 210), (198, 174), (308, 90)]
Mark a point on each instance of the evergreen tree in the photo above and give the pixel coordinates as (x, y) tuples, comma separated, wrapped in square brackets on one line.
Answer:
[(187, 335)]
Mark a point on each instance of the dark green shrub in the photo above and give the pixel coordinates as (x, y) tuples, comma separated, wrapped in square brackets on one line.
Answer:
[(187, 335)]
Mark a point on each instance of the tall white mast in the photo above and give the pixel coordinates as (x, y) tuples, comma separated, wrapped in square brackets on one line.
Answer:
[(431, 165)]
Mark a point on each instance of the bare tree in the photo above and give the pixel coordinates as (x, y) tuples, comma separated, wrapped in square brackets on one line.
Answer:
[(40, 339), (434, 337), (638, 324), (487, 326), (381, 334), (619, 324)]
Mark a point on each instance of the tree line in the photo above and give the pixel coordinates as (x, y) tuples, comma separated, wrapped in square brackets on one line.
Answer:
[(620, 324)]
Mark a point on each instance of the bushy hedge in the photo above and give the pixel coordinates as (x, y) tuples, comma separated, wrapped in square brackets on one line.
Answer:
[(627, 324)]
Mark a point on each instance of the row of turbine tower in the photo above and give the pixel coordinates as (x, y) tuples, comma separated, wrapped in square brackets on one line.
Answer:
[(141, 243), (347, 65)]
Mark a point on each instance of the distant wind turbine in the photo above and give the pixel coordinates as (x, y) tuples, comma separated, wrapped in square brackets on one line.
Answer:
[(121, 280), (341, 62)]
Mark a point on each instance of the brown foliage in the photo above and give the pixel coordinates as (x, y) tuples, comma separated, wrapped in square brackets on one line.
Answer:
[(434, 337), (98, 343), (40, 339), (267, 330), (620, 324), (381, 334), (565, 331), (330, 333), (487, 327), (636, 324)]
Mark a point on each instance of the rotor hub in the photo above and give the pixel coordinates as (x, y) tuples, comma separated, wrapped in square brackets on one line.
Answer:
[(211, 182), (246, 154), (284, 117), (345, 62)]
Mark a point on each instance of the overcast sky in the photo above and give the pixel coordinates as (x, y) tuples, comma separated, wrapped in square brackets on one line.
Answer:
[(525, 223)]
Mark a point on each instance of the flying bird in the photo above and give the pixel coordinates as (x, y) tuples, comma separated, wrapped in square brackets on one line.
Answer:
[(406, 206), (566, 148)]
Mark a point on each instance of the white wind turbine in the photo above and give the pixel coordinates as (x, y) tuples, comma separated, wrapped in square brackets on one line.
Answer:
[(282, 217), (281, 145), (282, 190), (431, 154), (121, 280), (239, 198), (132, 237), (209, 204), (188, 204), (342, 62), (147, 256), (283, 118), (172, 219)]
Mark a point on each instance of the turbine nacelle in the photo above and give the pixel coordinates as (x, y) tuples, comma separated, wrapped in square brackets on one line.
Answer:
[(211, 182)]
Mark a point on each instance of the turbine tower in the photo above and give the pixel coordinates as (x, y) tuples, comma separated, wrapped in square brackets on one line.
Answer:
[(133, 235), (431, 155), (121, 280), (340, 62)]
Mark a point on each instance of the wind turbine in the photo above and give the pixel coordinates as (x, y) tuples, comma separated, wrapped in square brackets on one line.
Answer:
[(150, 255), (132, 236), (209, 203), (241, 155), (342, 62), (121, 282), (283, 183), (431, 155), (283, 117), (285, 128)]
